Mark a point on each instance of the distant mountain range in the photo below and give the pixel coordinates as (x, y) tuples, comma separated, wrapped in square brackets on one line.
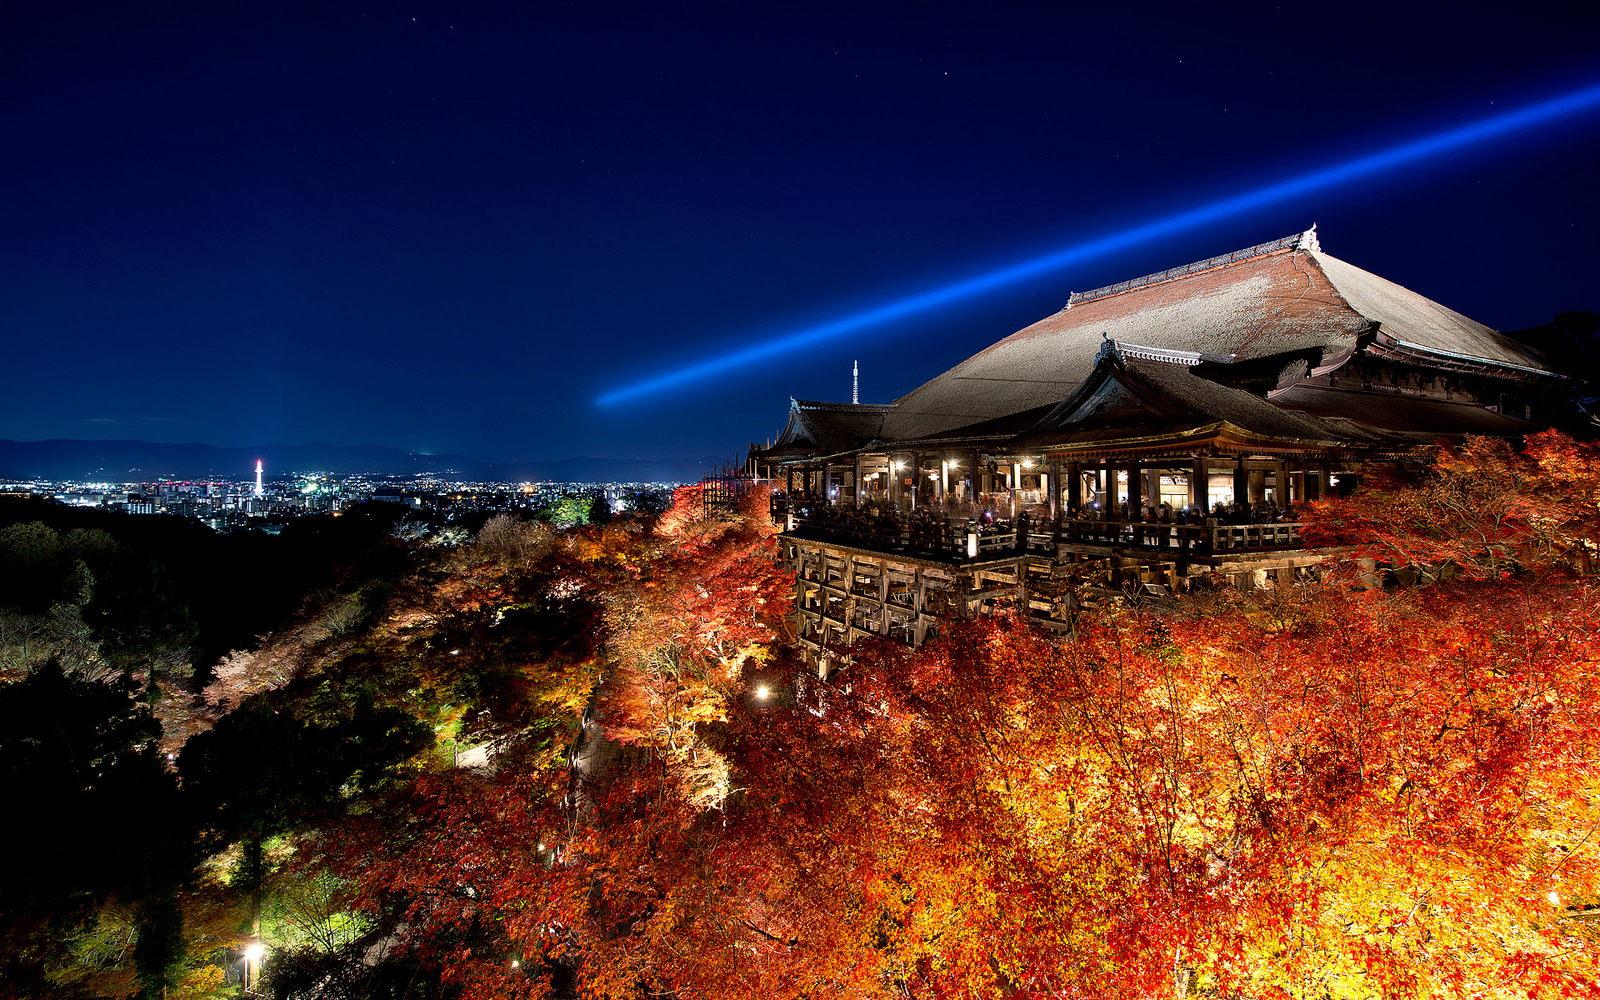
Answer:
[(144, 461)]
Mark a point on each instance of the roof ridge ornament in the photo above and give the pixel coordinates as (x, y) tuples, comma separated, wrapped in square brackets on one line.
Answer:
[(1122, 351), (1308, 240)]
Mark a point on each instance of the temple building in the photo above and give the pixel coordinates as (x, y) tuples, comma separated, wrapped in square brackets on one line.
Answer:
[(1152, 432)]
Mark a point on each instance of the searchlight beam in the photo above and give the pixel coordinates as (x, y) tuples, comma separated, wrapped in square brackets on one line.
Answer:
[(1402, 155)]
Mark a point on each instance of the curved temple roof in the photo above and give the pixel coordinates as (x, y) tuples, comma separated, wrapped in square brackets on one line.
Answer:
[(1280, 297)]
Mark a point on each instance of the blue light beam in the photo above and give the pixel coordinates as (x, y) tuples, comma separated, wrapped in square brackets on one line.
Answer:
[(1350, 170)]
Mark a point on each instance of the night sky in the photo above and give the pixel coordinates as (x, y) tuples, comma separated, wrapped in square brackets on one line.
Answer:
[(449, 228)]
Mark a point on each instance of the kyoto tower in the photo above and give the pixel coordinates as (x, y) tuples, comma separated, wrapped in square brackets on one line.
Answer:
[(258, 477)]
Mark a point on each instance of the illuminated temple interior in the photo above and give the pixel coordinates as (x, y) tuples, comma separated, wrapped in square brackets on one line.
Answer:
[(1152, 433)]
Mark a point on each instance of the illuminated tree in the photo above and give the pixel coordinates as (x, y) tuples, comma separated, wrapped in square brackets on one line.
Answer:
[(1483, 509)]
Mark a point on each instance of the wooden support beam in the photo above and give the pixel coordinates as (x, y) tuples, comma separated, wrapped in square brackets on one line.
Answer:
[(883, 598)]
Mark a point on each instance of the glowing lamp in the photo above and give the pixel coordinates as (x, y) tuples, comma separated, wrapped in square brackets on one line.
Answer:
[(253, 951), (763, 692)]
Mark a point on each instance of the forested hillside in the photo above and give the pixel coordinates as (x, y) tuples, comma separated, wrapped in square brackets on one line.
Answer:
[(425, 761)]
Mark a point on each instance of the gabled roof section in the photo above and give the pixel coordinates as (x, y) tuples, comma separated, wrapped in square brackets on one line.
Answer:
[(1268, 299), (817, 428), (1400, 419), (1129, 394), (1278, 298), (1408, 320)]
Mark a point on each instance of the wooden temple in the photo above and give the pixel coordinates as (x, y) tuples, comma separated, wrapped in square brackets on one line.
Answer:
[(1151, 433)]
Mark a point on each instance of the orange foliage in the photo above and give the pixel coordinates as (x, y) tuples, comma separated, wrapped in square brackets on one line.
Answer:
[(1483, 507), (1307, 792)]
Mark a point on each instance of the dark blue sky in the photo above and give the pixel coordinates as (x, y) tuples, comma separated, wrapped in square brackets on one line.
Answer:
[(450, 227)]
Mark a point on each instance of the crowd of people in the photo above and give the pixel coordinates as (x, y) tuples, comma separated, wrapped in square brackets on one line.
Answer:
[(1260, 512), (939, 528)]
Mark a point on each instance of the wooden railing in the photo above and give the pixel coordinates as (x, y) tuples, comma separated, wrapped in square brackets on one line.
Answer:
[(966, 541), (1198, 539)]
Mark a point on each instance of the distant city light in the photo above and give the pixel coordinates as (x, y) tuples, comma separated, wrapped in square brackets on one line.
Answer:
[(1405, 153)]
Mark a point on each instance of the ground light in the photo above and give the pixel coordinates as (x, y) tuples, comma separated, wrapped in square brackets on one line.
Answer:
[(252, 959), (1428, 147)]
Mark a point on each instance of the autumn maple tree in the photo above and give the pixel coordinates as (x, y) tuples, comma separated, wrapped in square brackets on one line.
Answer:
[(1309, 791), (1482, 508), (1318, 790)]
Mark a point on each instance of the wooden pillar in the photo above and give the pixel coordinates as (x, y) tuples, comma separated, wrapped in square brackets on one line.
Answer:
[(977, 475), (944, 478), (1280, 485), (1241, 481), (827, 484), (1154, 493), (788, 480), (919, 604), (1258, 486), (1200, 482), (883, 597), (1016, 488), (1074, 488), (1135, 491), (856, 471), (1054, 472)]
